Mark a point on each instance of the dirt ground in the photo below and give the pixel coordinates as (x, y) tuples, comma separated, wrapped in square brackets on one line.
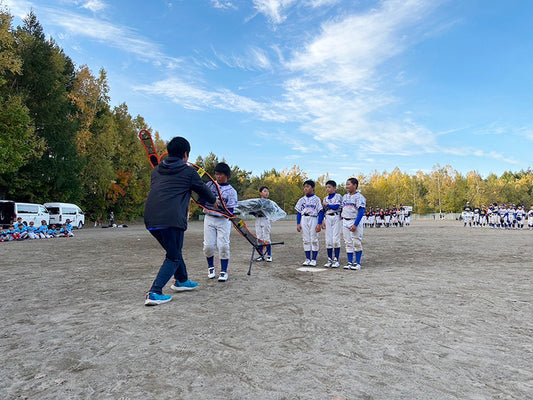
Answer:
[(438, 311)]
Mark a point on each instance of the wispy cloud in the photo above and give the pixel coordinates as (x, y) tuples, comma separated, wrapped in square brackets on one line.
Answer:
[(338, 87), (193, 97), (321, 3), (223, 4), (254, 58), (19, 8), (273, 9), (116, 36), (276, 10), (94, 5), (467, 151), (527, 133)]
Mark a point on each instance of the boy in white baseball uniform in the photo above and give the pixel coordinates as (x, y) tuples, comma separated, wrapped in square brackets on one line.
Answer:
[(332, 224), (262, 226), (520, 216), (353, 209), (217, 228), (309, 219), (468, 213)]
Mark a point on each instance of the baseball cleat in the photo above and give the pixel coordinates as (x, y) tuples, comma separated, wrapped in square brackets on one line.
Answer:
[(312, 263), (211, 274), (348, 265), (355, 266), (306, 262), (259, 258), (329, 263), (223, 277), (269, 258), (335, 264)]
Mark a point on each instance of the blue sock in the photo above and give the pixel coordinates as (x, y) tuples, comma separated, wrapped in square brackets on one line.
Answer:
[(358, 255), (337, 252), (211, 262), (308, 255), (315, 254), (330, 254), (269, 250), (350, 257), (224, 265)]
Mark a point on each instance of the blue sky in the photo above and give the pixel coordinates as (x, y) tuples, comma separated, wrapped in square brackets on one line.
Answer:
[(338, 87)]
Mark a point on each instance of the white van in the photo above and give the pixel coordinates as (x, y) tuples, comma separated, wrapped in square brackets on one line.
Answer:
[(60, 212), (10, 211)]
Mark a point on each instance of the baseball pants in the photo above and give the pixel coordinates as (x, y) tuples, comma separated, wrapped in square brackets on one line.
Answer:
[(262, 229), (352, 240), (309, 233), (217, 235), (333, 231)]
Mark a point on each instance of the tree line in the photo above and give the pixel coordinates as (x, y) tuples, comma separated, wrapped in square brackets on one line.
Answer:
[(61, 140)]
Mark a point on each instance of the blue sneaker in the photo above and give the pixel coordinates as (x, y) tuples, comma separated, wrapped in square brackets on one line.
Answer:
[(154, 299), (184, 286)]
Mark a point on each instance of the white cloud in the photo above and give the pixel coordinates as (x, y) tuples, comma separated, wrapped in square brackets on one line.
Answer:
[(471, 151), (116, 36), (94, 5), (253, 59), (527, 133), (273, 9), (321, 3), (195, 98), (223, 4), (18, 8), (338, 88)]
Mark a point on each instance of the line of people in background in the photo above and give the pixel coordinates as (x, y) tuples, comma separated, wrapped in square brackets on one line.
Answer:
[(20, 231), (498, 217), (388, 217)]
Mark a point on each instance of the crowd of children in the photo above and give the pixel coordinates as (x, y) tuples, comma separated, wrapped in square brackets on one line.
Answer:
[(498, 217), (394, 217), (19, 230)]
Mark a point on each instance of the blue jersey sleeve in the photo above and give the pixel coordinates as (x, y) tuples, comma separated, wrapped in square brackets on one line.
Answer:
[(320, 217), (360, 214)]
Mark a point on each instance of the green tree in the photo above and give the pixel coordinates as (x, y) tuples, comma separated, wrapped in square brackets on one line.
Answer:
[(18, 142), (46, 79)]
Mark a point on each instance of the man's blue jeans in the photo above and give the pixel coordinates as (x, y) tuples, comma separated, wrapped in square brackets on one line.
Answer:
[(171, 239)]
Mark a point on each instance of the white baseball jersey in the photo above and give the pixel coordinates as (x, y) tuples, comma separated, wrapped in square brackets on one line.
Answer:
[(351, 203), (309, 206), (334, 200), (229, 196)]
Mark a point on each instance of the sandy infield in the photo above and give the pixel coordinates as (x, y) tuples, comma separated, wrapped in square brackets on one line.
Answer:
[(438, 311)]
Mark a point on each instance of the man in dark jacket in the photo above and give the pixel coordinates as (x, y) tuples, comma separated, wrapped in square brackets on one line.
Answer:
[(165, 216)]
